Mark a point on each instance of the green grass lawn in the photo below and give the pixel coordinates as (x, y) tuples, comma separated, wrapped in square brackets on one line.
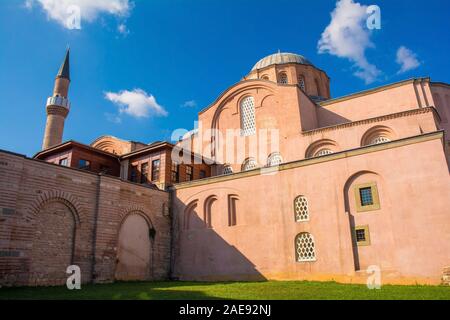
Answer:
[(271, 290)]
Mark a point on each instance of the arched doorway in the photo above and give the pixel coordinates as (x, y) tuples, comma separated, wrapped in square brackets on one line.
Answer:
[(53, 244), (134, 249)]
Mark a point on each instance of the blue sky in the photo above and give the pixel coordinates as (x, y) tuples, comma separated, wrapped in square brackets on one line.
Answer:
[(182, 54)]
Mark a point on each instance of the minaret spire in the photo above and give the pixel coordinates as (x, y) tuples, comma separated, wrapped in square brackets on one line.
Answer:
[(64, 70), (58, 106)]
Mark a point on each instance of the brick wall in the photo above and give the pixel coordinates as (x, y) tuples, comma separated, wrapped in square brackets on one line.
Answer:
[(52, 216)]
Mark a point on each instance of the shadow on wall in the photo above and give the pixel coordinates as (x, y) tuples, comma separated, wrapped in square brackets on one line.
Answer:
[(328, 118), (201, 254)]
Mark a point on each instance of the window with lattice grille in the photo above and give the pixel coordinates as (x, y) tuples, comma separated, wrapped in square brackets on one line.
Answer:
[(305, 248), (227, 170), (301, 209), (248, 121), (323, 152), (379, 139), (283, 79), (301, 83), (249, 164), (275, 159)]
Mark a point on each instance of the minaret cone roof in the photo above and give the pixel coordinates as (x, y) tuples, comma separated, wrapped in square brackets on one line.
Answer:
[(64, 71)]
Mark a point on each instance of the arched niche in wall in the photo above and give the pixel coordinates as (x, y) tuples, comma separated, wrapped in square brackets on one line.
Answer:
[(377, 135), (321, 148)]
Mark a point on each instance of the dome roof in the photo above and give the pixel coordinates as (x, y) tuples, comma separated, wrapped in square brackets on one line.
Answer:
[(281, 58)]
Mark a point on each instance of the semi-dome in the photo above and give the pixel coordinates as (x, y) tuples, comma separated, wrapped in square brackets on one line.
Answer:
[(281, 58)]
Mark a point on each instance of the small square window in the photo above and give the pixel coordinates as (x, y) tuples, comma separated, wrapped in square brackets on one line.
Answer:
[(366, 196), (202, 174), (362, 236)]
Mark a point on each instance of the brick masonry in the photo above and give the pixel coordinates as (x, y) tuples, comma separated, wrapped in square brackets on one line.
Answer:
[(53, 216)]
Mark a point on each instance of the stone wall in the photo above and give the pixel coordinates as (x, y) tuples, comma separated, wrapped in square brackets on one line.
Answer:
[(52, 217)]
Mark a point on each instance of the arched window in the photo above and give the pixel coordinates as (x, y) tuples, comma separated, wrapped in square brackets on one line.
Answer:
[(248, 121), (323, 152), (274, 159), (227, 169), (282, 78), (321, 148), (301, 209), (305, 249), (265, 77), (249, 164), (377, 135), (379, 139), (301, 83)]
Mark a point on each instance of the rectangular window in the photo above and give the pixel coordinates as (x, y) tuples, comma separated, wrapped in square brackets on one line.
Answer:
[(133, 174), (156, 166), (175, 177), (84, 164), (202, 174), (144, 172), (362, 236), (189, 173), (64, 162), (366, 197)]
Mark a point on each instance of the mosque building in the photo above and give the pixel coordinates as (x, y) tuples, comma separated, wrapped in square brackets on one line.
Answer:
[(316, 188)]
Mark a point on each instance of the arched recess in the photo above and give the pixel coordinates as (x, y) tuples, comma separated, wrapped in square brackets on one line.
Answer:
[(191, 217), (209, 218), (56, 224), (317, 148), (233, 200), (232, 98), (377, 134), (135, 252), (365, 254)]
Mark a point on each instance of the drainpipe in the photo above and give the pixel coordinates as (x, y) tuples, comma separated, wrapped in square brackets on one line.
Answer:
[(94, 232)]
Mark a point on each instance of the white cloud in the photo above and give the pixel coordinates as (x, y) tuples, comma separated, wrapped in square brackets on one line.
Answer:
[(136, 103), (63, 12), (189, 104), (406, 59), (347, 37)]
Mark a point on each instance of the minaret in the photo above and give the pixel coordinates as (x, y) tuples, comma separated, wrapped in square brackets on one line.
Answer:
[(58, 106)]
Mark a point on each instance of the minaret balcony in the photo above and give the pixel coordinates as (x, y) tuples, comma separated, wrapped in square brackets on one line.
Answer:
[(59, 102)]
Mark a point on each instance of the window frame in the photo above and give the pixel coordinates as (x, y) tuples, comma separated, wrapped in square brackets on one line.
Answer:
[(86, 167), (375, 197), (144, 173), (314, 247), (66, 160), (156, 170), (366, 241), (283, 78), (248, 118), (133, 173), (191, 174), (175, 169)]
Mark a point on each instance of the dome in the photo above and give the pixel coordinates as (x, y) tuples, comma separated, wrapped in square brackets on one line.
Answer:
[(280, 58)]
